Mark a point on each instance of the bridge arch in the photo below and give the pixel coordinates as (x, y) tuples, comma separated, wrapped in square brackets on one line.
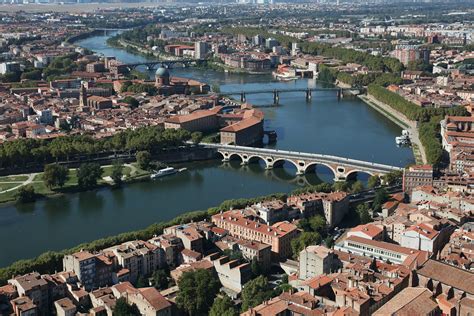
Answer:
[(226, 156), (313, 165), (358, 171), (256, 159), (281, 161)]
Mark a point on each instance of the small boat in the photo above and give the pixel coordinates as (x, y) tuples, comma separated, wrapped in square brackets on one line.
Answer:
[(402, 140), (163, 172)]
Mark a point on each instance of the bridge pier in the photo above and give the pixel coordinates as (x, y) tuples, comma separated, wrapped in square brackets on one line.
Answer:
[(276, 96), (308, 95), (339, 94)]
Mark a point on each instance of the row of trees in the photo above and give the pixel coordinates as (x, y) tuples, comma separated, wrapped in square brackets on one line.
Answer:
[(409, 109), (430, 139), (383, 79), (374, 63), (21, 152), (129, 86)]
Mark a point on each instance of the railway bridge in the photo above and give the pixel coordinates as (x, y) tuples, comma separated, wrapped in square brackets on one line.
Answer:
[(304, 162)]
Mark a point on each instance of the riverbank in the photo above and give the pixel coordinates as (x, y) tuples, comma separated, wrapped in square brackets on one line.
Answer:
[(13, 182), (402, 121), (132, 173), (148, 53)]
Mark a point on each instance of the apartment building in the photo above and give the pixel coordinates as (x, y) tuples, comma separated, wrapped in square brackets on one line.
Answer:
[(334, 205), (139, 257), (83, 264), (278, 235), (415, 176), (33, 286), (316, 260)]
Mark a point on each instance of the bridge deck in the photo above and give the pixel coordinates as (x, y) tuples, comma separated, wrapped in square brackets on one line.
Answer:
[(285, 90), (309, 156)]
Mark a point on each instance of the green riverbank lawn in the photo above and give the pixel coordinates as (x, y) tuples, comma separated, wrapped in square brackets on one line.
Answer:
[(131, 172)]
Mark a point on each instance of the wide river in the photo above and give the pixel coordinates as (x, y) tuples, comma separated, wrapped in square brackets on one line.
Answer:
[(347, 128)]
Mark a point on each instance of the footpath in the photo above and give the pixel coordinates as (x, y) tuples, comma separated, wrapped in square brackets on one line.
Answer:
[(402, 121)]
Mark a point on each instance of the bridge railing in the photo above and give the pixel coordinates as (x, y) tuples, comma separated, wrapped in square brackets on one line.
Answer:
[(302, 155)]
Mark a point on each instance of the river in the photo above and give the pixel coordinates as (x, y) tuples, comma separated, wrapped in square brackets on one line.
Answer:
[(347, 128)]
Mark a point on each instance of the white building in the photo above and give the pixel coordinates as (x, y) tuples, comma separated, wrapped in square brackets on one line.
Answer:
[(9, 67), (421, 237)]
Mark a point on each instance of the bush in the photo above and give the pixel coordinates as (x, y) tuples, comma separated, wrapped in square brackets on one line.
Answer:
[(26, 194)]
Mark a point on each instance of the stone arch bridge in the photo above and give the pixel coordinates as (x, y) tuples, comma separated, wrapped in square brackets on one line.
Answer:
[(304, 162)]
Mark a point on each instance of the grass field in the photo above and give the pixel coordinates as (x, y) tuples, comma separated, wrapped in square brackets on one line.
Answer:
[(71, 184), (19, 178)]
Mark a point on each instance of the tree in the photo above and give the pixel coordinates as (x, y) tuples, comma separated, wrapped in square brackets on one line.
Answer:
[(393, 177), (26, 194), (34, 74), (223, 306), (197, 290), (256, 267), (117, 173), (196, 137), (255, 292), (329, 241), (122, 308), (88, 174), (55, 175), (357, 187), (142, 282), (317, 223), (341, 186), (381, 196), (134, 103), (143, 159), (374, 181), (363, 213), (304, 240), (160, 279)]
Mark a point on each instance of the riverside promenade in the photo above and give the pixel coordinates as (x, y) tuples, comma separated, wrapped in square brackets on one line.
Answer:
[(402, 121)]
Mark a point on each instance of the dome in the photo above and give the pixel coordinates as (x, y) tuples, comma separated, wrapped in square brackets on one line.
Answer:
[(162, 72)]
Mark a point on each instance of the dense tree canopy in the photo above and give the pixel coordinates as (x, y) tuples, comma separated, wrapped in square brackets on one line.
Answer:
[(197, 290), (223, 306), (122, 308), (21, 152), (55, 175), (304, 240), (255, 292), (88, 174)]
